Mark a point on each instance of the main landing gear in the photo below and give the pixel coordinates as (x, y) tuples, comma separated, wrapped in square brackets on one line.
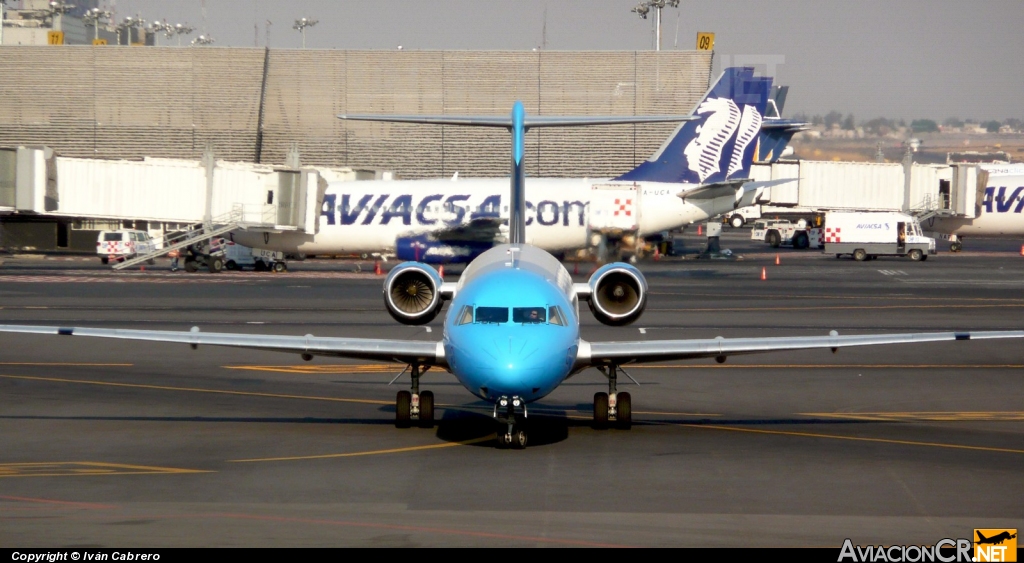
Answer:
[(510, 413), (613, 408), (413, 406)]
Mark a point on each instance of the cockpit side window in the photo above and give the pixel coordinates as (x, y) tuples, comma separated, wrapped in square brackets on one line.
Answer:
[(528, 315), (466, 316), (555, 316), (492, 314)]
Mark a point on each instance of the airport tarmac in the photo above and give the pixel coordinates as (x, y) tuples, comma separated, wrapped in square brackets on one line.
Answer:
[(120, 444)]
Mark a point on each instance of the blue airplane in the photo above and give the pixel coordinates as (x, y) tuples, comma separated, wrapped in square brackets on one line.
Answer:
[(512, 330)]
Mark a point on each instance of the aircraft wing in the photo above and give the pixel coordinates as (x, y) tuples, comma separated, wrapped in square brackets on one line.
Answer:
[(398, 351), (481, 230), (647, 351)]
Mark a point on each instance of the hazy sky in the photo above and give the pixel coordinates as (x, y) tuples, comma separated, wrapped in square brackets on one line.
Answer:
[(892, 58)]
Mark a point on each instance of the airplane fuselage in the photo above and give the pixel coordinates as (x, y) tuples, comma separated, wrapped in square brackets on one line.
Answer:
[(371, 216), (492, 344), (1001, 207)]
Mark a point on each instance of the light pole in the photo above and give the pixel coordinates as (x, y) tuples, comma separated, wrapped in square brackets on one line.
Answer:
[(644, 8), (202, 40), (93, 17), (179, 30), (301, 25), (129, 22), (158, 26)]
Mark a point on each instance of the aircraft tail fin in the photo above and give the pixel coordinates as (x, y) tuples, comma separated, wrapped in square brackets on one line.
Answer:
[(719, 144), (981, 537)]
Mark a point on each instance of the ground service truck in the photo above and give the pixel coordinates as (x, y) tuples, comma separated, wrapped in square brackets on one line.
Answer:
[(865, 235)]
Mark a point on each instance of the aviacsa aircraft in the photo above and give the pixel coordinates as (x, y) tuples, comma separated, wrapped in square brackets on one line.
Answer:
[(699, 172), (999, 207), (512, 330)]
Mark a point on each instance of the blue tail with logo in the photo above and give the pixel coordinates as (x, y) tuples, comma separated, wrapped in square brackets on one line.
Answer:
[(720, 144)]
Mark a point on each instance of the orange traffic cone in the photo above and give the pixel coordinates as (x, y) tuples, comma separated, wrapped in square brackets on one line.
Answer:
[(1022, 250), (657, 254), (776, 259), (440, 271), (376, 268), (764, 273), (700, 230)]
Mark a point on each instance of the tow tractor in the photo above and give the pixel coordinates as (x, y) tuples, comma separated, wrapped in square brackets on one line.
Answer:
[(779, 232)]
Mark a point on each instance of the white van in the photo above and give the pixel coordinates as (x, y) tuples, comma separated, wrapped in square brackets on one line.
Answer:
[(118, 246), (865, 235)]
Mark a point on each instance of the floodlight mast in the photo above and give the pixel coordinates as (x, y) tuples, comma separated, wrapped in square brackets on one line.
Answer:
[(644, 8), (93, 16), (301, 25)]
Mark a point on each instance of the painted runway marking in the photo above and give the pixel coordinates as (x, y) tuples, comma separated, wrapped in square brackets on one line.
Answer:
[(66, 364), (487, 438), (854, 438), (61, 503), (195, 390), (832, 297), (892, 272), (998, 416), (85, 468), (841, 308), (157, 277)]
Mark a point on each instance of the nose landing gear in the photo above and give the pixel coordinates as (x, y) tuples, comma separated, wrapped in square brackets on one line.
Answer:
[(511, 432), (412, 405)]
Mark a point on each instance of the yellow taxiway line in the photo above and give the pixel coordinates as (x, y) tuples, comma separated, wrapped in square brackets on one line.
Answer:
[(198, 390), (853, 438), (370, 452), (86, 468)]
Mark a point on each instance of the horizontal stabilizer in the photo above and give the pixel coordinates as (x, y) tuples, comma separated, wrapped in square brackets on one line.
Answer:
[(529, 122), (736, 187)]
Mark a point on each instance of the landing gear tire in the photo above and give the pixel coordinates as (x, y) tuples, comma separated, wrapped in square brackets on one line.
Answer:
[(191, 266), (427, 409), (774, 239), (624, 406), (280, 267), (956, 246), (403, 409), (600, 411), (915, 255), (736, 221), (860, 255), (518, 438), (215, 265)]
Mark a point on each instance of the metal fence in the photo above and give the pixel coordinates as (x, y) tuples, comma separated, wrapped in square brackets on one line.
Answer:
[(252, 104)]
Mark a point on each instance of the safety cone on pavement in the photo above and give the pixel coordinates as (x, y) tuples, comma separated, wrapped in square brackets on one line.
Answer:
[(1022, 250), (700, 230), (657, 255), (764, 273), (776, 259), (376, 268), (440, 271)]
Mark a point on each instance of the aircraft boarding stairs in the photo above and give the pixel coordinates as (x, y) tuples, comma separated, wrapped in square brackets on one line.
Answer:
[(202, 236), (932, 206)]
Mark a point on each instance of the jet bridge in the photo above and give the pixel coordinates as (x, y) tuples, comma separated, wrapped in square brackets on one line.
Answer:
[(215, 197)]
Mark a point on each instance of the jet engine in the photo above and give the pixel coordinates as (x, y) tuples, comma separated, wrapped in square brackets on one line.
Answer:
[(412, 293), (618, 294)]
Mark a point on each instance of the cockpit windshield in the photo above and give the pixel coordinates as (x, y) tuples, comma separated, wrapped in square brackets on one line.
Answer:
[(529, 315), (492, 314)]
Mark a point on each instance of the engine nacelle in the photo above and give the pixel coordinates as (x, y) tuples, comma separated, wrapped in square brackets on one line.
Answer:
[(618, 294), (412, 293)]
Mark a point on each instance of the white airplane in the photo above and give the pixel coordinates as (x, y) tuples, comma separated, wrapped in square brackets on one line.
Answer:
[(999, 209), (511, 334), (699, 172)]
